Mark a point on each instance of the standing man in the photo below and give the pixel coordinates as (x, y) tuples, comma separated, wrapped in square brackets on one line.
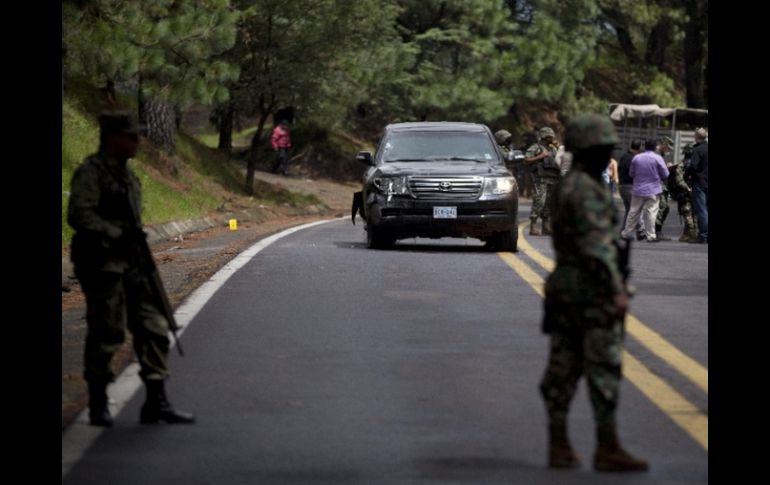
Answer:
[(105, 212), (699, 171), (281, 142), (541, 157), (586, 299), (647, 170)]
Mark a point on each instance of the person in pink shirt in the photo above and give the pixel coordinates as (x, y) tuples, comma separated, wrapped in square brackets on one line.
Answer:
[(281, 143)]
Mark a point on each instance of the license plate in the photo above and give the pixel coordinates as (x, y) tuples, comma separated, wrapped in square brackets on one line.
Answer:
[(445, 212)]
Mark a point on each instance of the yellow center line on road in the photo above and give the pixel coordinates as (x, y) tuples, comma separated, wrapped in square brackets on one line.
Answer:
[(679, 409), (649, 338)]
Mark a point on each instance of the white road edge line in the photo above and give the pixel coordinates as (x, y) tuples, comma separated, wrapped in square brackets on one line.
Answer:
[(79, 435)]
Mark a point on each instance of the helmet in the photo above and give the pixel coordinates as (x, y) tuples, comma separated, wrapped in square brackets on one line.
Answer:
[(546, 131), (502, 136), (587, 130)]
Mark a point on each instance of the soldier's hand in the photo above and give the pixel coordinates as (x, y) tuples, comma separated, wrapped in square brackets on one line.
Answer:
[(621, 305)]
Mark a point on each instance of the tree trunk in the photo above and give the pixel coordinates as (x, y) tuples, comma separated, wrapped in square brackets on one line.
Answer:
[(161, 124), (657, 43), (619, 22), (178, 113), (226, 128), (694, 53), (109, 92), (252, 157)]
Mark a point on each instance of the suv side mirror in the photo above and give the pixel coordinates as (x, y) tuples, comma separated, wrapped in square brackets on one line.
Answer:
[(365, 158)]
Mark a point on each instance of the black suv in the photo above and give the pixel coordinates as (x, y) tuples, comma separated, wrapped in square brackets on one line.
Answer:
[(438, 179)]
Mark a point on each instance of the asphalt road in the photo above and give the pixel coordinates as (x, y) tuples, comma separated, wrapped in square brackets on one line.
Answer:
[(320, 361)]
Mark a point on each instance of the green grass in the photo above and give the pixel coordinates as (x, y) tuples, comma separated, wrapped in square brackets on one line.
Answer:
[(190, 185), (240, 138), (270, 195)]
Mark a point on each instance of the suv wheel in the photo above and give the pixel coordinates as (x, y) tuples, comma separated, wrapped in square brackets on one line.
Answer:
[(506, 240), (377, 238)]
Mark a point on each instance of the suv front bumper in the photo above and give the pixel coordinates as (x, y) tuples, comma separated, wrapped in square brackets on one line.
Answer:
[(407, 217)]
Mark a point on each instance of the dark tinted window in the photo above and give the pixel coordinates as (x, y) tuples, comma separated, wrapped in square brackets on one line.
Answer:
[(437, 145)]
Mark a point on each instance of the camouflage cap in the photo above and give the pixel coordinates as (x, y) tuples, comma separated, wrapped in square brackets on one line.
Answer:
[(664, 140), (116, 122), (587, 130), (502, 136), (546, 131)]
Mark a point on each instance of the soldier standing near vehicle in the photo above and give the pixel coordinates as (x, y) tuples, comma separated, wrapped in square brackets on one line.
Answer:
[(504, 138), (682, 193), (541, 157), (664, 150), (105, 212), (586, 298)]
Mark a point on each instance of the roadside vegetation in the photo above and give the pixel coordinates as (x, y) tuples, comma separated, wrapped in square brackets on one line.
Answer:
[(190, 184), (341, 71)]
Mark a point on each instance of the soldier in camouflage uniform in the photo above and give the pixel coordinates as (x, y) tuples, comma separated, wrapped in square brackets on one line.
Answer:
[(503, 138), (104, 210), (682, 194), (586, 298), (664, 150), (504, 141), (541, 157)]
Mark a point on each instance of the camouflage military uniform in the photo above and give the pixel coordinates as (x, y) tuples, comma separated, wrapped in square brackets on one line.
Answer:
[(585, 336), (503, 138), (680, 192), (105, 210), (585, 299), (665, 195), (545, 174), (106, 264)]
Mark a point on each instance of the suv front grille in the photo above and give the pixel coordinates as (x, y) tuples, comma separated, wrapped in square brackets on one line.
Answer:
[(443, 188)]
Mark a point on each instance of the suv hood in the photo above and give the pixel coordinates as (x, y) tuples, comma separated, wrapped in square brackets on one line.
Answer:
[(433, 168)]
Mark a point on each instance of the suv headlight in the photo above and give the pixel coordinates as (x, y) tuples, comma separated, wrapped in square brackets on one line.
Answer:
[(494, 186), (391, 185)]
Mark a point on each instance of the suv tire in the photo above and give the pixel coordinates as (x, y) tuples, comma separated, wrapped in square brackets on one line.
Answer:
[(377, 238)]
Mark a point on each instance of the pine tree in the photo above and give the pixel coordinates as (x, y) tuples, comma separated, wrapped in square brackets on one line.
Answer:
[(163, 49)]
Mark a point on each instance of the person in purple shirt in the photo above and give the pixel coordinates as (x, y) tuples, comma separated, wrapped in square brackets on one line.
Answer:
[(647, 171)]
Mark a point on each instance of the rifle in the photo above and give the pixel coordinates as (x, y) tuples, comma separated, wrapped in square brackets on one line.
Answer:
[(624, 262), (156, 285), (151, 271)]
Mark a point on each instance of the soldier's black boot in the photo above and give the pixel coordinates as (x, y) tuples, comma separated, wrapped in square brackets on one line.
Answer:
[(611, 457), (659, 234), (560, 452), (546, 227), (157, 408), (98, 409)]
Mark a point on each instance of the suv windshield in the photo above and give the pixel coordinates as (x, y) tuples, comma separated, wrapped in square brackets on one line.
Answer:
[(416, 146)]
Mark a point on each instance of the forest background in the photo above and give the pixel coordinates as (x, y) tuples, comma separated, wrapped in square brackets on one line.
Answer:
[(210, 77)]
